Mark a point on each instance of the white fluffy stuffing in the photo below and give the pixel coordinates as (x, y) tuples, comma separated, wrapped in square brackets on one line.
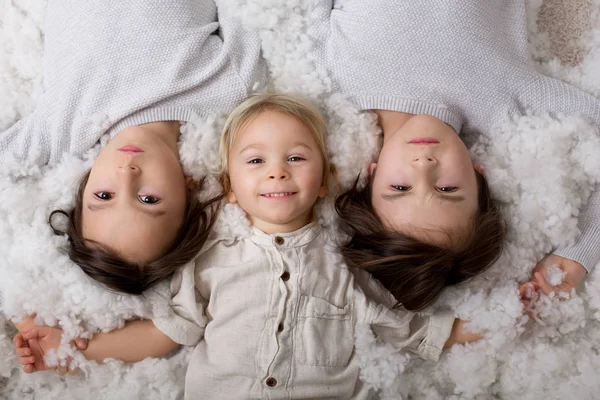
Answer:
[(541, 171)]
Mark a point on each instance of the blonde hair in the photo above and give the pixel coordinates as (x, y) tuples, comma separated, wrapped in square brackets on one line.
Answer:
[(292, 106)]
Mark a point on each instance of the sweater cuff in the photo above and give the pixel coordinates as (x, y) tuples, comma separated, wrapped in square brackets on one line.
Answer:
[(438, 332), (586, 250)]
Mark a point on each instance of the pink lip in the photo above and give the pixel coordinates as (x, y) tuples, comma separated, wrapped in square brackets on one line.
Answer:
[(424, 141), (131, 149)]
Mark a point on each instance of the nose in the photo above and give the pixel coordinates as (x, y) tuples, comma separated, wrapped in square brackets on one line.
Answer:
[(278, 172), (425, 162), (129, 169)]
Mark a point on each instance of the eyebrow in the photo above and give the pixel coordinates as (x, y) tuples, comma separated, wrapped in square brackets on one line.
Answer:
[(394, 196), (145, 210), (259, 146)]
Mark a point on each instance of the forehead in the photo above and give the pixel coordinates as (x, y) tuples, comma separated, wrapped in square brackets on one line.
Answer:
[(271, 127), (135, 236), (440, 222)]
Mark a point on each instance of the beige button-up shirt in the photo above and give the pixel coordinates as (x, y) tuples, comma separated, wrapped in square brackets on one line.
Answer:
[(273, 317)]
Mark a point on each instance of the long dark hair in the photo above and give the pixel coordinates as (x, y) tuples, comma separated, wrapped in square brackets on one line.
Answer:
[(414, 271), (110, 269)]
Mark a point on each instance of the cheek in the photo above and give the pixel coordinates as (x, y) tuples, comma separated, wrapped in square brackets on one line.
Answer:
[(169, 170), (240, 180), (314, 177), (461, 156)]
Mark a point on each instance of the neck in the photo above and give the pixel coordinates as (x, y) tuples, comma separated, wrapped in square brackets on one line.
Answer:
[(271, 229), (392, 121)]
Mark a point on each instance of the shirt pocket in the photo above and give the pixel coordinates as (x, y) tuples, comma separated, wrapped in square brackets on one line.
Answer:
[(324, 333)]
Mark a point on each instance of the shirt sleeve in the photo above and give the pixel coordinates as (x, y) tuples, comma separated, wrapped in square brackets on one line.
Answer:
[(555, 96), (187, 320), (424, 335)]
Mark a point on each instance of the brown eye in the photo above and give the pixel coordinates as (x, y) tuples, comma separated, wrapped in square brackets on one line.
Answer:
[(448, 189), (104, 196), (149, 199), (401, 188)]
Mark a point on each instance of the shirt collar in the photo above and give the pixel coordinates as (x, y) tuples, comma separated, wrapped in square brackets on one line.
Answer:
[(297, 238)]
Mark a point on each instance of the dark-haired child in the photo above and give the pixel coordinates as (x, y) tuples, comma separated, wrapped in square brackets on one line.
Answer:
[(133, 70), (432, 71)]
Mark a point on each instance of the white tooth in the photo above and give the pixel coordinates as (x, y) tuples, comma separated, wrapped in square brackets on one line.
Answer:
[(278, 194)]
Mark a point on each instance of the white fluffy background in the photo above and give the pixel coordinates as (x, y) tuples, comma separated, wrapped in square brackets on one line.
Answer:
[(539, 168)]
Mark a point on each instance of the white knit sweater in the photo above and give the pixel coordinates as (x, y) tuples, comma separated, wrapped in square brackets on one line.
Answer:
[(465, 62), (112, 64)]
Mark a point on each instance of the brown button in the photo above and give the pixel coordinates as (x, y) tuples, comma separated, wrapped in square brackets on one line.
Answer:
[(280, 328), (271, 382), (285, 276), (279, 240)]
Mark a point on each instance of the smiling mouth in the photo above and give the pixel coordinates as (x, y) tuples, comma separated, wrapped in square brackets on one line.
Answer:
[(278, 195)]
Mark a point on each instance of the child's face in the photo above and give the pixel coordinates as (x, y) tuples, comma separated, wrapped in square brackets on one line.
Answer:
[(134, 202), (276, 172), (428, 190)]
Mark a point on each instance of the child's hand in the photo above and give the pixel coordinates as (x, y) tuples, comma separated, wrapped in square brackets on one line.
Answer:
[(35, 343), (461, 335), (574, 273)]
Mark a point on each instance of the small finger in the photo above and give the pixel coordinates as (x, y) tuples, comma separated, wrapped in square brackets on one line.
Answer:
[(26, 360), (565, 287), (31, 334), (24, 351), (528, 290), (544, 286), (81, 343), (18, 340), (563, 293), (29, 368), (61, 371)]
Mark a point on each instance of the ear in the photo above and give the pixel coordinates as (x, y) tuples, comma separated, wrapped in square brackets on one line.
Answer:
[(231, 197), (191, 184), (372, 167), (323, 191), (479, 168)]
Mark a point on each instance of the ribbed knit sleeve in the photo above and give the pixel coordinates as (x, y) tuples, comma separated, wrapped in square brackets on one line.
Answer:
[(586, 249), (29, 142), (555, 96)]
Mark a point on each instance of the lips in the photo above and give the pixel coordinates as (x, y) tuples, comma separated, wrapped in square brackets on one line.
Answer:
[(276, 195), (131, 149), (424, 141)]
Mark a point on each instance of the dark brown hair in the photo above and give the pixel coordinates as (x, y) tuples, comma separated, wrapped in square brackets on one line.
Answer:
[(414, 271), (110, 269)]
